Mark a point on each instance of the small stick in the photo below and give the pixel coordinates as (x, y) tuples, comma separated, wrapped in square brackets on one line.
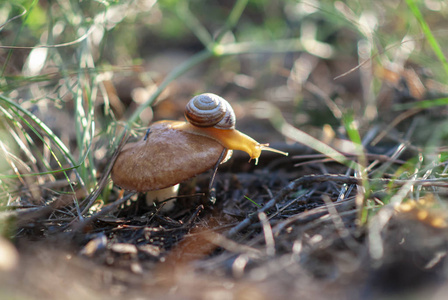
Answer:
[(78, 226), (211, 189), (148, 131), (268, 235)]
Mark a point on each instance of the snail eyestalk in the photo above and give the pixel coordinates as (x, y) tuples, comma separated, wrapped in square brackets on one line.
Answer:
[(265, 147)]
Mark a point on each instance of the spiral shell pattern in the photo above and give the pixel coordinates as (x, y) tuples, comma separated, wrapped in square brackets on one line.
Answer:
[(210, 110)]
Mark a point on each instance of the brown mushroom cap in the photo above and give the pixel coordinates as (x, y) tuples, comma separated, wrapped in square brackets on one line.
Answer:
[(165, 158)]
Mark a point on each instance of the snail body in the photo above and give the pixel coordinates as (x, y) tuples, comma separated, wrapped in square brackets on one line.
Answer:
[(174, 151), (229, 138), (212, 116)]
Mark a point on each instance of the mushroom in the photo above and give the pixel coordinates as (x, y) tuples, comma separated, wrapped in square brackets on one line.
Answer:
[(174, 151)]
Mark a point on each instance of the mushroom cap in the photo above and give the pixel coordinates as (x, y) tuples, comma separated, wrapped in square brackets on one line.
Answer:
[(167, 157)]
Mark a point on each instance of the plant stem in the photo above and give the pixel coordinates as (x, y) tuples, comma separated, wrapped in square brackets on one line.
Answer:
[(180, 70)]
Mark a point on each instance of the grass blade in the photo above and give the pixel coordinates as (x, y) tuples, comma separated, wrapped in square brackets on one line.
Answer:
[(428, 33)]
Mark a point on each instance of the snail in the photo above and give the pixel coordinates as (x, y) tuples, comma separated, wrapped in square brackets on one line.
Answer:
[(174, 151)]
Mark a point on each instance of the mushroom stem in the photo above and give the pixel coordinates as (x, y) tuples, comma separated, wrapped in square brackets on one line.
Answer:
[(161, 195)]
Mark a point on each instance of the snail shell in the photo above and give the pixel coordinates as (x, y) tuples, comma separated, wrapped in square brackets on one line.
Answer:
[(210, 110)]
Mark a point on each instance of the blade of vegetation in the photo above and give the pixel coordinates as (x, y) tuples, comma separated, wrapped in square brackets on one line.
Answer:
[(42, 127), (193, 23), (233, 18), (181, 69), (363, 194), (253, 202), (428, 33), (422, 104), (15, 17), (288, 130), (17, 37)]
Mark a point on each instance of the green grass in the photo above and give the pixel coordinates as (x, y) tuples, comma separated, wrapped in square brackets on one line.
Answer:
[(433, 42)]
